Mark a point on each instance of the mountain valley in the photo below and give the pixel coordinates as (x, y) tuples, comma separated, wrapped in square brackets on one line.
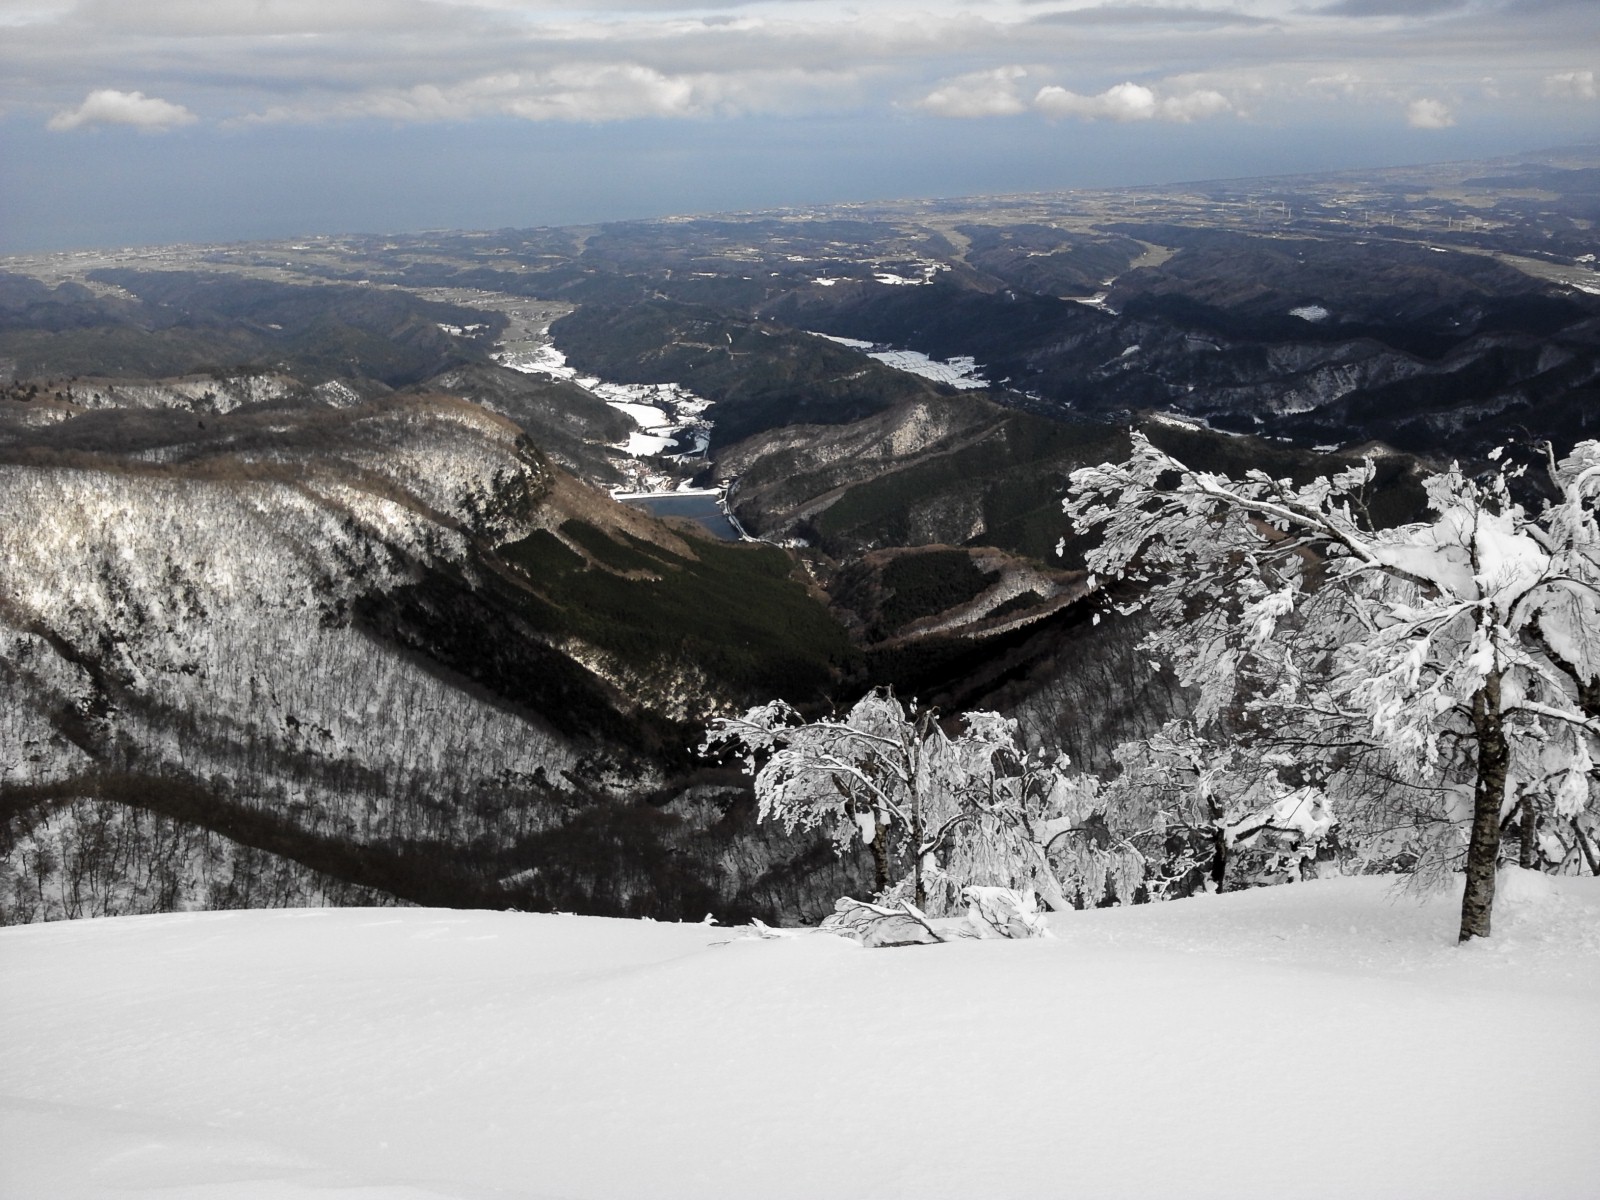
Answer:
[(322, 583)]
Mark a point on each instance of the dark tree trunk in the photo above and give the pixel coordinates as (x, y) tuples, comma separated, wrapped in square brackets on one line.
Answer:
[(1483, 852), (1583, 844), (880, 857), (1588, 694), (1219, 859), (927, 729), (1528, 856), (916, 848)]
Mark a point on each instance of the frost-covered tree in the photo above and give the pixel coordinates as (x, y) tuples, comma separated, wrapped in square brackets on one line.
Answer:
[(939, 812), (1195, 811), (1458, 657)]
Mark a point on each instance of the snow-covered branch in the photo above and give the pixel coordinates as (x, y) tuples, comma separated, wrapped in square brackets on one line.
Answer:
[(938, 811), (1429, 636)]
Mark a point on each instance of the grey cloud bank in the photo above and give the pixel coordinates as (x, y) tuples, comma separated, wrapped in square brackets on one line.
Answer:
[(328, 103)]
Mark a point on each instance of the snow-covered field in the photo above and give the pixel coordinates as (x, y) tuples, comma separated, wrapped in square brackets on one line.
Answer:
[(1320, 1039), (1098, 300), (670, 418), (1310, 312), (961, 373)]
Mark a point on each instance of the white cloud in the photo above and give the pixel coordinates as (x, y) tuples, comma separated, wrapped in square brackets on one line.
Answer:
[(422, 60), (1429, 114), (111, 107), (1340, 83), (980, 94), (610, 93), (595, 92), (1195, 106), (1571, 85), (1124, 102), (1131, 102)]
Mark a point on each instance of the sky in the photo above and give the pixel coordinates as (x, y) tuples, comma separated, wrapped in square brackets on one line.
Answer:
[(127, 122)]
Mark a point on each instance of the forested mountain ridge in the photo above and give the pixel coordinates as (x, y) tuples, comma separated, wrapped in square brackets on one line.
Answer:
[(369, 652), (1438, 308), (760, 373), (143, 324), (389, 651), (312, 589)]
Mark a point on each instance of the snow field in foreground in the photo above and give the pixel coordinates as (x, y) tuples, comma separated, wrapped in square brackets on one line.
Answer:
[(1323, 1039)]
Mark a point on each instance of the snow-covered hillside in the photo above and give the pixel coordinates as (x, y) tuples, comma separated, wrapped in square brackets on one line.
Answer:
[(1325, 1039), (192, 620), (385, 650)]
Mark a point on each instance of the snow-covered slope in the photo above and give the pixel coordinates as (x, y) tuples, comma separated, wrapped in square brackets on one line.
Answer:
[(218, 585), (1323, 1039), (301, 655), (189, 619)]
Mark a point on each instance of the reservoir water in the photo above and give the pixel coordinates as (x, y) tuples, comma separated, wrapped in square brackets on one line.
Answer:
[(702, 508)]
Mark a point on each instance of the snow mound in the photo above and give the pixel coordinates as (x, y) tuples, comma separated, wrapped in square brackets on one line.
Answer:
[(1002, 912), (1525, 889), (876, 926)]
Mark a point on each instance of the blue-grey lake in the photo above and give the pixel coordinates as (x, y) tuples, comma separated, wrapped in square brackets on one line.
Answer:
[(703, 509)]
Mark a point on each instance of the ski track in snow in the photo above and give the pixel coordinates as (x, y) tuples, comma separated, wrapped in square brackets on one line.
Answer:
[(1321, 1039)]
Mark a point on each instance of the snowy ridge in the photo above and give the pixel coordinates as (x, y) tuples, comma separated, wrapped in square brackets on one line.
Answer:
[(198, 393)]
